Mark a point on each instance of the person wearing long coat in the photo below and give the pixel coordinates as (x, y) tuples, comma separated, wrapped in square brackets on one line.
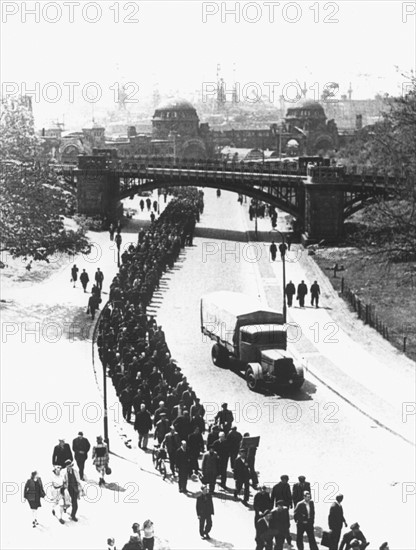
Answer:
[(210, 468), (302, 292), (74, 274), (100, 458), (204, 511), (33, 492), (182, 463)]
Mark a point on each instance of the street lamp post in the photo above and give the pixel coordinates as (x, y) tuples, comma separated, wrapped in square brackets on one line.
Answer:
[(283, 249), (106, 438)]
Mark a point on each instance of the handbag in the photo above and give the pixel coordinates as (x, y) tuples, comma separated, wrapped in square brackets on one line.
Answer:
[(326, 538), (108, 470)]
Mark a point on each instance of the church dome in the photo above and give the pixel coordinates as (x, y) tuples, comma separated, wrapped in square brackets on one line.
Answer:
[(176, 105)]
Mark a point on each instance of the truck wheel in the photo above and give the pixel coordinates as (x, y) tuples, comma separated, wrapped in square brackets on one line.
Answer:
[(252, 382), (297, 384), (219, 355)]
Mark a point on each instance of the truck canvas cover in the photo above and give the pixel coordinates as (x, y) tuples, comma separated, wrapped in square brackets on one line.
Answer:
[(224, 312)]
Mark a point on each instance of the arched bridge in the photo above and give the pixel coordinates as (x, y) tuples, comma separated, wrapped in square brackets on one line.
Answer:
[(320, 198)]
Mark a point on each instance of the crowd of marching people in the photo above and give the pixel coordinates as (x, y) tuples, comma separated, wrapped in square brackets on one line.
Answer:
[(157, 399)]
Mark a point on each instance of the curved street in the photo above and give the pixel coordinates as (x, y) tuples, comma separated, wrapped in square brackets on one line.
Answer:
[(314, 432)]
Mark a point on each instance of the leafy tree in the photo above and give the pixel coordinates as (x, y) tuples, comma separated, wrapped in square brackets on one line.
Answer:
[(389, 228), (33, 202)]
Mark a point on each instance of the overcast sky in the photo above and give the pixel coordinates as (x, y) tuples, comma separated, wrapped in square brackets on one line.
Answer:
[(178, 45)]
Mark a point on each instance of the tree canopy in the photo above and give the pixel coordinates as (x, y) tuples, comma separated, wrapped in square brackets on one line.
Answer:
[(390, 145), (34, 202)]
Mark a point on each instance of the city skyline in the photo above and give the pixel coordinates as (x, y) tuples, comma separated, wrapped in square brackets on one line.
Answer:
[(269, 51)]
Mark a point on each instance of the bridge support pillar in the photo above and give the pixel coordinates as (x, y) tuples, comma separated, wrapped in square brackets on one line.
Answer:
[(98, 192), (324, 209)]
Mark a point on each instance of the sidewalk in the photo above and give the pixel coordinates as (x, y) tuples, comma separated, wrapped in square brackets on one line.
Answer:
[(337, 348)]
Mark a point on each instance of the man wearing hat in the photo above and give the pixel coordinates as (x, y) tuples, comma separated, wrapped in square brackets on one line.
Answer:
[(262, 502), (299, 489), (280, 525), (73, 485), (204, 511), (354, 535), (61, 453), (81, 446), (224, 418), (335, 521), (264, 534)]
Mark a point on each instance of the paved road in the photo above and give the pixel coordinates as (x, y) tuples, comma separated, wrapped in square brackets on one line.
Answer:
[(366, 463), (313, 433)]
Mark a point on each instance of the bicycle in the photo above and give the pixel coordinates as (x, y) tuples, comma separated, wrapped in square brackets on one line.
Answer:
[(159, 456)]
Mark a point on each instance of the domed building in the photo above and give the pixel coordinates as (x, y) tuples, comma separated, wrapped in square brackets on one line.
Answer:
[(177, 123), (307, 124)]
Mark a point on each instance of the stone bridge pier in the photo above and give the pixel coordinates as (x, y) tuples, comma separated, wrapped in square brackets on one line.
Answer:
[(323, 213), (98, 189)]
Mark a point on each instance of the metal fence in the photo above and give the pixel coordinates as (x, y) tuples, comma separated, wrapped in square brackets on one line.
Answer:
[(366, 312)]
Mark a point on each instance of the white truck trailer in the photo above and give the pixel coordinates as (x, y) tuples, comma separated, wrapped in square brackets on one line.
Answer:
[(244, 328)]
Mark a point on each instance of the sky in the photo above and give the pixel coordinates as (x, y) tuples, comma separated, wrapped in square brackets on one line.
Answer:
[(176, 46)]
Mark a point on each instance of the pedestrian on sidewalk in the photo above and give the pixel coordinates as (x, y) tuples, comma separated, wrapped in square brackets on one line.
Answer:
[(182, 463), (84, 279), (58, 493), (302, 292), (148, 535), (242, 476), (143, 425), (99, 278), (112, 230), (210, 468), (81, 447), (315, 292), (61, 453), (335, 521), (93, 305), (290, 291), (204, 512), (74, 274), (152, 217), (118, 240), (33, 492), (73, 485), (273, 251), (100, 458), (304, 516)]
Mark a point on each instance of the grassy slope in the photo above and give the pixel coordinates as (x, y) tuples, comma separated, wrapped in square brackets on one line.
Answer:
[(387, 288)]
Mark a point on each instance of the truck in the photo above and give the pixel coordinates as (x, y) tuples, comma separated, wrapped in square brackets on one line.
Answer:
[(244, 328)]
